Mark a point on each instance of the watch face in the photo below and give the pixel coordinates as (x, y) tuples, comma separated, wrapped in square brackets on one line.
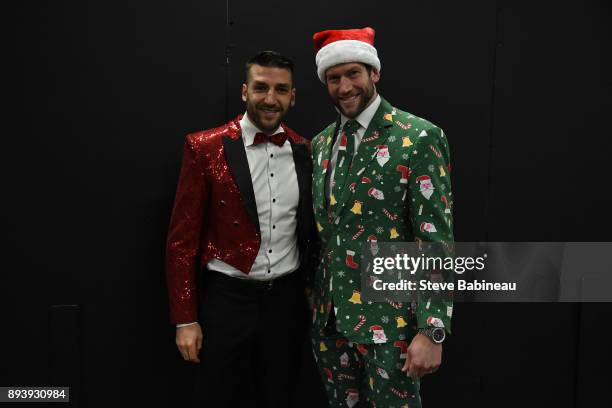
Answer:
[(438, 335)]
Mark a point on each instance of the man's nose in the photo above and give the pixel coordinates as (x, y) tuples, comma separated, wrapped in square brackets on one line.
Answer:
[(346, 86), (270, 97)]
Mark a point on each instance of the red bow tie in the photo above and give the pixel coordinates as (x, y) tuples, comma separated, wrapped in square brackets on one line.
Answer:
[(278, 139)]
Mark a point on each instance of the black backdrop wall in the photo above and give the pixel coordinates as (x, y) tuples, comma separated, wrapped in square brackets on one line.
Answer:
[(101, 95)]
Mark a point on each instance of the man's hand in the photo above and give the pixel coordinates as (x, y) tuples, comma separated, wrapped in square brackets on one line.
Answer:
[(424, 357), (189, 342)]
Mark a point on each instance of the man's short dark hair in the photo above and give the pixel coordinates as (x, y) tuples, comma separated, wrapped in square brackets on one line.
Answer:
[(270, 59)]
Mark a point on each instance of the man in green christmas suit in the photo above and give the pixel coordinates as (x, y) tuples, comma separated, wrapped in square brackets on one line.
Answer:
[(380, 175)]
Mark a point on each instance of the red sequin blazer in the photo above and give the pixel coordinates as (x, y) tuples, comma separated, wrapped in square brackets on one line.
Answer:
[(215, 214)]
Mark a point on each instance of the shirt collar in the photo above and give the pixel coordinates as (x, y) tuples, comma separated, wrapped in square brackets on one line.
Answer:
[(365, 117), (249, 130)]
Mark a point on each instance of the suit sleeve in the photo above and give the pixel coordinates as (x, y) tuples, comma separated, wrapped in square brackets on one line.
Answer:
[(183, 244), (431, 216)]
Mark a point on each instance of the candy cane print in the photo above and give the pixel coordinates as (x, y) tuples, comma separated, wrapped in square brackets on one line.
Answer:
[(395, 305), (359, 232), (436, 152), (392, 217), (401, 394), (362, 320)]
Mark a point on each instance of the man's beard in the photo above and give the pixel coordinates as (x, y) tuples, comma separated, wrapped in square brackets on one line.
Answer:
[(366, 96), (254, 115)]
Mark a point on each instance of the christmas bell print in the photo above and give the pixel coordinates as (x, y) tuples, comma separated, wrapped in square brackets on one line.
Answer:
[(332, 199), (393, 233), (355, 298), (401, 322), (442, 172), (406, 142), (356, 207), (322, 346)]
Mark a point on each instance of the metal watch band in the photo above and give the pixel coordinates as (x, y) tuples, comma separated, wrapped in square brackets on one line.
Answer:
[(429, 333)]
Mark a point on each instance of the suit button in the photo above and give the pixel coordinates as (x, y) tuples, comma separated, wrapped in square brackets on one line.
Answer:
[(236, 223), (222, 203)]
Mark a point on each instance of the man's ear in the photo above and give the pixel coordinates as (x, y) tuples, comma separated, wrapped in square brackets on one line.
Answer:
[(375, 75), (244, 92), (292, 97)]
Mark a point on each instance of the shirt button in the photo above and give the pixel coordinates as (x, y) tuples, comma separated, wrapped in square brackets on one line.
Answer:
[(274, 227), (269, 251), (274, 200), (271, 174), (271, 154), (269, 271)]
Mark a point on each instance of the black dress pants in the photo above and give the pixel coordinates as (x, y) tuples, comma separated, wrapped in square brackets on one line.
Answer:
[(251, 341)]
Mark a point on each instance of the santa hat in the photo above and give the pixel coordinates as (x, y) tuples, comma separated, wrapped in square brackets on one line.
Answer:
[(423, 178), (335, 47)]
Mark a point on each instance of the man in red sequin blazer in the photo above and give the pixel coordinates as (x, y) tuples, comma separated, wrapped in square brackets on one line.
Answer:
[(239, 240)]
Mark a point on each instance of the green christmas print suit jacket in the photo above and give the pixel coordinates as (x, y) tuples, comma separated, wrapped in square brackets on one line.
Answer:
[(398, 189)]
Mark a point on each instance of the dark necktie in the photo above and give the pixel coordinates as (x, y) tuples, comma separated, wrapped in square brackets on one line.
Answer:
[(344, 160), (278, 139)]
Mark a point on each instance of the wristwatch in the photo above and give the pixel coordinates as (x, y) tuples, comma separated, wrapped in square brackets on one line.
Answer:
[(435, 334)]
